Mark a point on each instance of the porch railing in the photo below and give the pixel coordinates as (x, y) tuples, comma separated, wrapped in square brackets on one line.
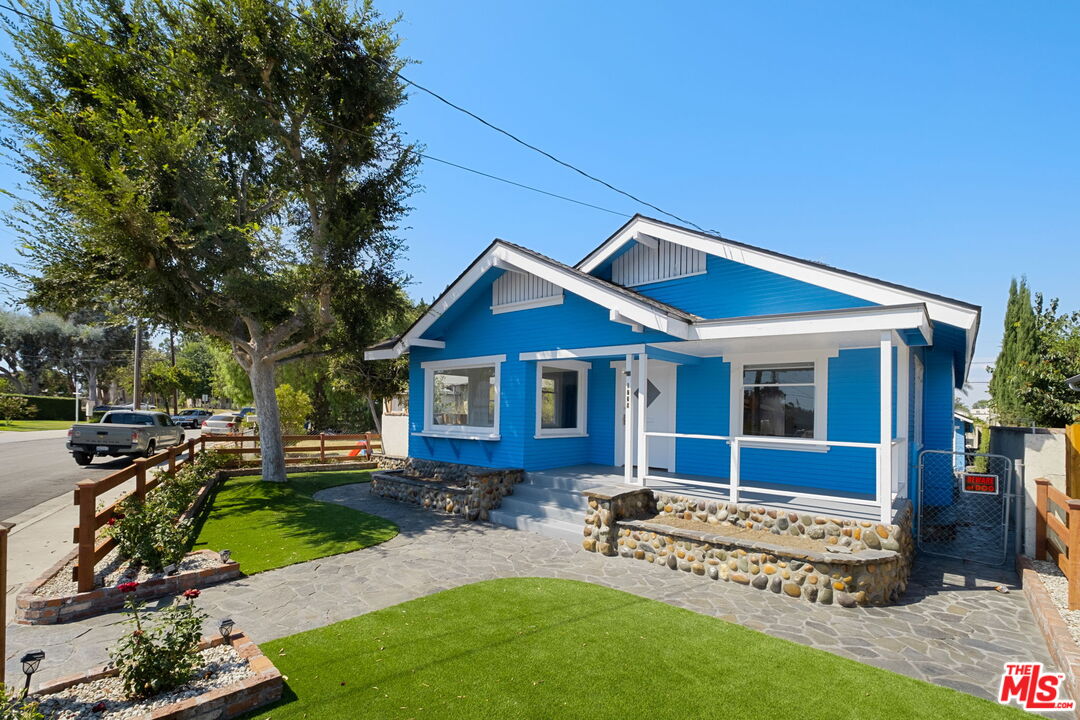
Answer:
[(882, 501)]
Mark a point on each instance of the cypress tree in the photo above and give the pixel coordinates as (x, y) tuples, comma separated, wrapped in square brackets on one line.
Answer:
[(1018, 355)]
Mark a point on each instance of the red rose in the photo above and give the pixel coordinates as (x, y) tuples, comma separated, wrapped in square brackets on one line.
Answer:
[(127, 587), (191, 594), (99, 707), (112, 521)]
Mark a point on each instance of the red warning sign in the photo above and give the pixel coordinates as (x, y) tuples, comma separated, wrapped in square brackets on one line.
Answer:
[(981, 483)]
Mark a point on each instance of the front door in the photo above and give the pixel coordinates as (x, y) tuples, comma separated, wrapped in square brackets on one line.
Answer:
[(660, 414)]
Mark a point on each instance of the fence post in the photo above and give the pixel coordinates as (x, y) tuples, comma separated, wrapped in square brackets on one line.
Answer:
[(1074, 554), (4, 529), (172, 459), (1072, 459), (1042, 486), (87, 534), (322, 447), (191, 449), (367, 446), (140, 479)]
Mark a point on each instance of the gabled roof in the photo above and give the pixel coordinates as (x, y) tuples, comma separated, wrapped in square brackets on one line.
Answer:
[(624, 304), (940, 308)]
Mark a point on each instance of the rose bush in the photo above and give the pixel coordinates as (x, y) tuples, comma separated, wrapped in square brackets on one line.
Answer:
[(161, 651)]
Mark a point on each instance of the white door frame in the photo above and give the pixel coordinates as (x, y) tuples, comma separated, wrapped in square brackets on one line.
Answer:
[(638, 430)]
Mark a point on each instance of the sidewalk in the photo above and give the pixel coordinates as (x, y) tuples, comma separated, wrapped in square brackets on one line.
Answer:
[(11, 436), (951, 629)]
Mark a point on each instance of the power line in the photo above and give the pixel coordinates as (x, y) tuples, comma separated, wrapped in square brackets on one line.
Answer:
[(404, 148), (496, 128)]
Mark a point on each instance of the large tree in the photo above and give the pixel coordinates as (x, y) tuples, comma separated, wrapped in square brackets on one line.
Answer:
[(225, 166)]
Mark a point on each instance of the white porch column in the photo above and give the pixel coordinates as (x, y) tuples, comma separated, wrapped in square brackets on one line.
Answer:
[(733, 480), (642, 408), (628, 420), (884, 455), (903, 417)]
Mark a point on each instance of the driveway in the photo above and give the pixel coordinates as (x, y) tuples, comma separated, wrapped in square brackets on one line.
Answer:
[(952, 629)]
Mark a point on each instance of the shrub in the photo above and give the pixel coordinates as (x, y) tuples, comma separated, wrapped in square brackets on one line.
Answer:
[(148, 533), (13, 706), (16, 407), (294, 408), (160, 652), (51, 407)]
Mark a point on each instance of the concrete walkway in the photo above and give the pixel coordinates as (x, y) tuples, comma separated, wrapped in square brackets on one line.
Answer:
[(953, 628)]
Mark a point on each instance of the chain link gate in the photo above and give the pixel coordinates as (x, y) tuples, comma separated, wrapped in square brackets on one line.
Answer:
[(963, 512)]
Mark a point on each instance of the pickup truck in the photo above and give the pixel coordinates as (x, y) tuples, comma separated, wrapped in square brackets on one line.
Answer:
[(134, 433)]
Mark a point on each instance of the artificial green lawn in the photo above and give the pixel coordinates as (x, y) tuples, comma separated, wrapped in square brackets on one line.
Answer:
[(271, 525), (537, 648), (30, 425)]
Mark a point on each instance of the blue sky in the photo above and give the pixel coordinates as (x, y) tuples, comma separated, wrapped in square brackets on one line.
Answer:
[(934, 145)]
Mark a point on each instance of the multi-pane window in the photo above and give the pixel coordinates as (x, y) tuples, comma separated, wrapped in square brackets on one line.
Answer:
[(464, 397), (778, 400)]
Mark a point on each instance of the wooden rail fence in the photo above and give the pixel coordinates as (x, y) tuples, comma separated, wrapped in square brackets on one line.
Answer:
[(306, 448), (91, 549), (1057, 532)]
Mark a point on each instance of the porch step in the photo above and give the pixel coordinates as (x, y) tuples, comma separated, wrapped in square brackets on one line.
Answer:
[(546, 503), (538, 524)]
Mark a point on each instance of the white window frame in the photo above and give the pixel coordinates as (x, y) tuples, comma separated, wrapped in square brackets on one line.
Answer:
[(820, 360), (582, 429), (461, 432)]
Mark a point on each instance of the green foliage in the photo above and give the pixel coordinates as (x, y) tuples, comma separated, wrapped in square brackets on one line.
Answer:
[(14, 707), (16, 407), (984, 431), (294, 408), (161, 651), (50, 408), (1039, 351), (148, 533)]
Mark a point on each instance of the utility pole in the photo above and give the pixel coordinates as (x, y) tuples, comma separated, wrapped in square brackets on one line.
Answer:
[(136, 394), (172, 361)]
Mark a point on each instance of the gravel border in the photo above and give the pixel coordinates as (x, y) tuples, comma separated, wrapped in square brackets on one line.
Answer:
[(113, 570), (1058, 586), (222, 666)]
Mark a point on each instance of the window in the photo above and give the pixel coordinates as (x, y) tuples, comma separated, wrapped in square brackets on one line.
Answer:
[(778, 400), (561, 394), (462, 397)]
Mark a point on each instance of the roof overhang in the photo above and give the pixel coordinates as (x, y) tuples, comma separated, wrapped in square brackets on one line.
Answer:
[(911, 322), (503, 256), (938, 308)]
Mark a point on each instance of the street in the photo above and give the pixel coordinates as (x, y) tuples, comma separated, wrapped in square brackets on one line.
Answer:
[(39, 469)]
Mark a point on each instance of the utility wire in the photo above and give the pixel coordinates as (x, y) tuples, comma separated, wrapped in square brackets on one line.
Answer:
[(496, 128)]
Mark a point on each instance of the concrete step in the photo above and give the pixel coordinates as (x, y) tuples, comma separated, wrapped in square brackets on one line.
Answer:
[(552, 496), (546, 510), (545, 526), (555, 480)]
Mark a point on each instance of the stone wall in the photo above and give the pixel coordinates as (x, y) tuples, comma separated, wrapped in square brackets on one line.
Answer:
[(467, 490), (864, 563)]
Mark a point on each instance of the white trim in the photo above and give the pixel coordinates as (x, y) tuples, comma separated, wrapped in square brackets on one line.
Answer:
[(424, 342), (461, 432), (671, 277), (902, 317), (525, 305), (820, 359), (885, 467), (643, 417), (572, 353), (628, 418), (864, 288), (582, 429), (463, 362)]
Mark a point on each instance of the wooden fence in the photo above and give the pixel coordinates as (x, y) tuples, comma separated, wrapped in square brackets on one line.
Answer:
[(1072, 459), (85, 535), (303, 448), (1057, 532), (5, 528)]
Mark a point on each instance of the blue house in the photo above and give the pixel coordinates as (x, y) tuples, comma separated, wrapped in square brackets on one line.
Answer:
[(674, 358)]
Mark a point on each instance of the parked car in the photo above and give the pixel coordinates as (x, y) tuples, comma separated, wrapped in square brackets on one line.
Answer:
[(223, 424), (192, 417), (123, 432), (245, 411)]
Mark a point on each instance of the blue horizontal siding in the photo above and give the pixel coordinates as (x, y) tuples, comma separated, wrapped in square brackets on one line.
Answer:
[(732, 289)]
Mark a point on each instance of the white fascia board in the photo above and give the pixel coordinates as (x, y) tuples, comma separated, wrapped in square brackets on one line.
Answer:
[(589, 352), (884, 318), (821, 276), (383, 353), (638, 312), (458, 363), (424, 342)]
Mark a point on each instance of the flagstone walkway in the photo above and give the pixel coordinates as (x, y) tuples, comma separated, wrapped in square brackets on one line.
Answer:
[(952, 628)]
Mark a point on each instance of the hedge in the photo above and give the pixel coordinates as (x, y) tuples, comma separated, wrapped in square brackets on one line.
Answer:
[(50, 407)]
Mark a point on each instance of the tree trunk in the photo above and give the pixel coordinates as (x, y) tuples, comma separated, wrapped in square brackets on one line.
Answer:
[(136, 391), (374, 415), (262, 374), (91, 389)]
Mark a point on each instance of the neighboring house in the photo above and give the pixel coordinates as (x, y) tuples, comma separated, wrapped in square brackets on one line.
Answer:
[(965, 438), (669, 356)]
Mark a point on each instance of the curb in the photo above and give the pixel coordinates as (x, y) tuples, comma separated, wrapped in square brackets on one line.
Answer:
[(1059, 641)]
